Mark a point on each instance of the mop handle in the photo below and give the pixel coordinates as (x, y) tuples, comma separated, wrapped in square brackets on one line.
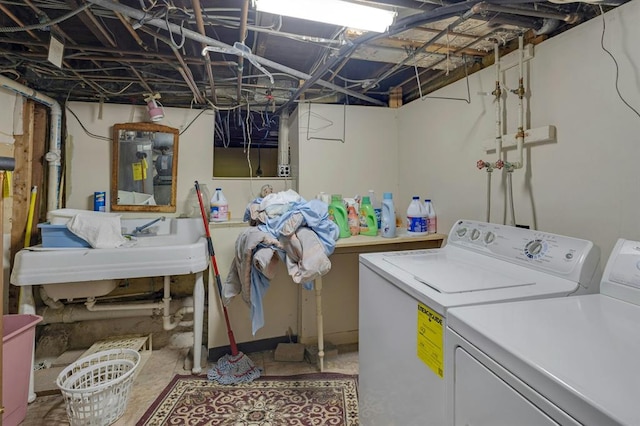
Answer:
[(203, 214), (232, 340)]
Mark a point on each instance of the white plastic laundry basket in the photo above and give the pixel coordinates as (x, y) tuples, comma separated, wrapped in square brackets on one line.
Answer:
[(96, 388)]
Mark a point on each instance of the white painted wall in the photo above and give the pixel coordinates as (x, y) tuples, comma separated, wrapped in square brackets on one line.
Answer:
[(89, 157), (346, 150), (585, 185)]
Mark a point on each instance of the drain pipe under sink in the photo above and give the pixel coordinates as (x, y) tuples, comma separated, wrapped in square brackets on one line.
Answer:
[(165, 305)]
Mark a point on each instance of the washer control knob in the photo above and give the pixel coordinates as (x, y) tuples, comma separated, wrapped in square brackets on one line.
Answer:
[(475, 234), (534, 247), (489, 237), (461, 232)]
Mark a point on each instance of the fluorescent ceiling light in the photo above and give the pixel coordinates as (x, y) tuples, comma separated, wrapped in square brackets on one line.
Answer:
[(336, 12)]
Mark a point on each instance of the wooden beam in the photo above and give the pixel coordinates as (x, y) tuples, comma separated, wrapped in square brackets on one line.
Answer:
[(93, 25), (395, 97), (22, 178), (23, 147)]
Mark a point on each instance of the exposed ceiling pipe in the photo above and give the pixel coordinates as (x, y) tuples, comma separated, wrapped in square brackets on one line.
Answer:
[(150, 57), (141, 16), (570, 18), (477, 40), (468, 14), (54, 154), (197, 10), (445, 12), (57, 28), (403, 25), (244, 15)]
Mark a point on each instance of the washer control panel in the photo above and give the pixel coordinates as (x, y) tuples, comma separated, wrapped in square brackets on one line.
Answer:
[(562, 255)]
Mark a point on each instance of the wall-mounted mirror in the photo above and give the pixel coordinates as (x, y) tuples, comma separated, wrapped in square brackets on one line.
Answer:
[(145, 167)]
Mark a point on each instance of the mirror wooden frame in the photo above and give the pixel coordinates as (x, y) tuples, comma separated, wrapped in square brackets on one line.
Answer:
[(115, 166)]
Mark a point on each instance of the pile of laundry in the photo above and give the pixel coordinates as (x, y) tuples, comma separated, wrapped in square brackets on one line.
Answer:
[(285, 227)]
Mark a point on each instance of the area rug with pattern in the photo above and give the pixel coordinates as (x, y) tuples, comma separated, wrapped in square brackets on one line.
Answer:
[(308, 399)]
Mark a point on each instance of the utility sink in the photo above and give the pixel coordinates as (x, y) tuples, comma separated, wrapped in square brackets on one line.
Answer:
[(169, 247), (174, 246)]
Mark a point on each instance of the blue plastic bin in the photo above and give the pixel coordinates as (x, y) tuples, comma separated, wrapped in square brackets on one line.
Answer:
[(60, 236)]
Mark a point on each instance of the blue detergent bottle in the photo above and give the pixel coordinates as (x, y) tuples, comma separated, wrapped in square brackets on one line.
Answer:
[(388, 216)]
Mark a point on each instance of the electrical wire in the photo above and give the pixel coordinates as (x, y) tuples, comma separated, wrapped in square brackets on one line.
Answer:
[(616, 65), (93, 135), (47, 24)]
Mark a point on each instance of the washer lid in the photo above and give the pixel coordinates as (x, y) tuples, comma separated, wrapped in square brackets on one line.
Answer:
[(458, 274)]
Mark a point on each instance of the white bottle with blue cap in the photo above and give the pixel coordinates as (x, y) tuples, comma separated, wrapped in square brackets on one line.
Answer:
[(388, 216), (416, 218)]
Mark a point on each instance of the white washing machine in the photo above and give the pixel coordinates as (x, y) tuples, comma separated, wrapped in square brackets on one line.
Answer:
[(567, 361), (404, 298)]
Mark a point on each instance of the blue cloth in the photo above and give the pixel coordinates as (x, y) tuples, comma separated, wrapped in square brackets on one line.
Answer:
[(247, 211), (259, 286), (315, 216)]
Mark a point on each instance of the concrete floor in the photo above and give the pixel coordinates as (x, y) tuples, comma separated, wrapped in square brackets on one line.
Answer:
[(157, 369)]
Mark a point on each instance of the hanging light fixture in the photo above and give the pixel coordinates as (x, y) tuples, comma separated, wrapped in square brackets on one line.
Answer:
[(154, 107), (336, 12)]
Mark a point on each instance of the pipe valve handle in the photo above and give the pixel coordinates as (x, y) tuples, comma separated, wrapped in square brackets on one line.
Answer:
[(499, 164), (481, 164)]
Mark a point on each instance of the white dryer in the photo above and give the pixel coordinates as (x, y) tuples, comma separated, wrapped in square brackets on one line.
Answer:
[(564, 361), (405, 296)]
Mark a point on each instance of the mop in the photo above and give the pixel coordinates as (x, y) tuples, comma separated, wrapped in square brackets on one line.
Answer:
[(237, 367)]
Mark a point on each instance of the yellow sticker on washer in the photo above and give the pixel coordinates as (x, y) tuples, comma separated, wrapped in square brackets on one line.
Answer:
[(430, 339)]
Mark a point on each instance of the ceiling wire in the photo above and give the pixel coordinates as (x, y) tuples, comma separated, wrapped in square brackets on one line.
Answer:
[(604, 26), (44, 25)]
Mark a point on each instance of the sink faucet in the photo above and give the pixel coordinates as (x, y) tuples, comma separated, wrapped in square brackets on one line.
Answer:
[(141, 228)]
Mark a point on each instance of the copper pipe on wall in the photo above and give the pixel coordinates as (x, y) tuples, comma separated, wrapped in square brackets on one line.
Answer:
[(197, 10)]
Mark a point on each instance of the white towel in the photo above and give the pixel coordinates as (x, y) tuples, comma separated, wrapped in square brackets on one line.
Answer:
[(100, 231)]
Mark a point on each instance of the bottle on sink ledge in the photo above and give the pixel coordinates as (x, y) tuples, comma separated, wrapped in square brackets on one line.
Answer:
[(219, 207)]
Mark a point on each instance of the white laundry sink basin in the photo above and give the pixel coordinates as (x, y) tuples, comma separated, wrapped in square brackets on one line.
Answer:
[(171, 247)]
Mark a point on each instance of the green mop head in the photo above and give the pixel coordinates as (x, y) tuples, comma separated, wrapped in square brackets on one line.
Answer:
[(232, 369)]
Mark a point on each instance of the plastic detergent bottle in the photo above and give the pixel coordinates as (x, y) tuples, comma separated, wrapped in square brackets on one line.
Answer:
[(368, 221), (377, 207), (193, 205), (219, 207), (416, 218), (432, 220), (338, 214), (388, 216), (353, 219)]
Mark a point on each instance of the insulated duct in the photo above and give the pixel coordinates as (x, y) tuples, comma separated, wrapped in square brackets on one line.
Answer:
[(284, 169)]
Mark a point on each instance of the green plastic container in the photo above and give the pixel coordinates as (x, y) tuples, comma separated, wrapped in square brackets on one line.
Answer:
[(338, 214), (368, 218)]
